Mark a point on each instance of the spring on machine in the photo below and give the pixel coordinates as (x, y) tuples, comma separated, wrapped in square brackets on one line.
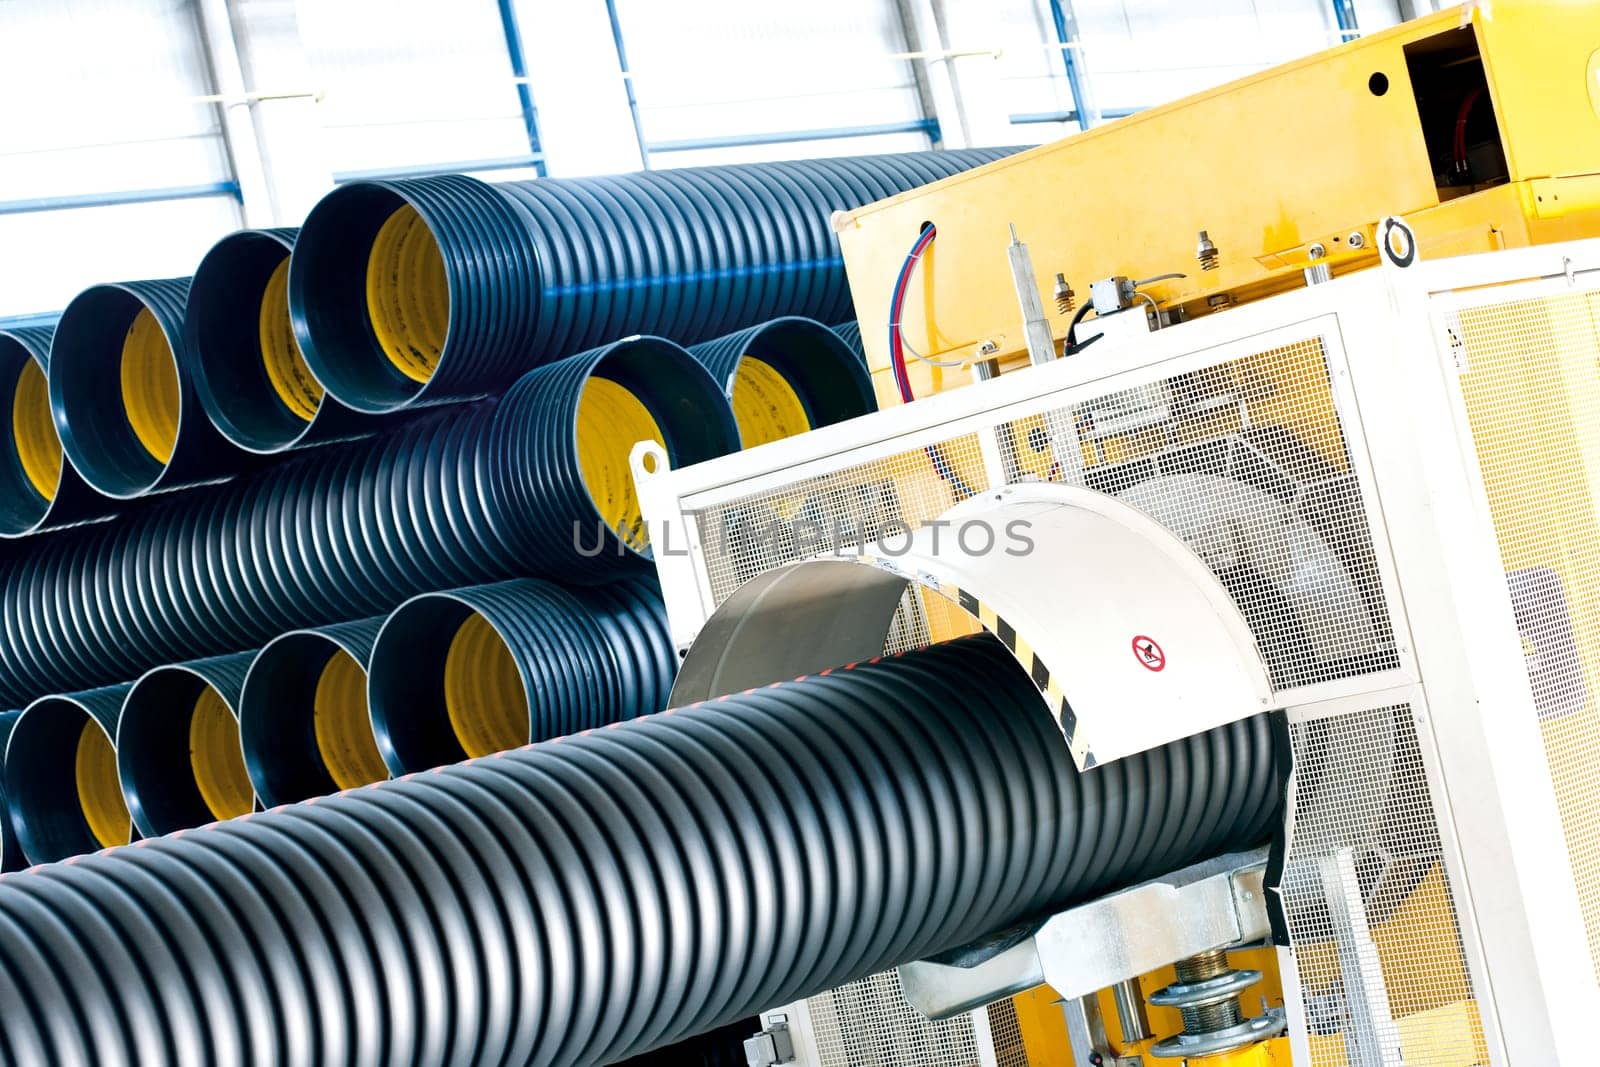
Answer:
[(1207, 995)]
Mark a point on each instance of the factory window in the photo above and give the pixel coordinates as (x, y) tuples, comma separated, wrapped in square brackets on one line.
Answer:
[(724, 81)]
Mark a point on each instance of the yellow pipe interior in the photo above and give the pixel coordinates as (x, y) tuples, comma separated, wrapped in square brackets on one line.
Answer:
[(150, 394), (765, 404), (483, 691), (287, 369), (34, 431), (408, 295), (99, 790), (342, 725), (611, 420), (217, 759)]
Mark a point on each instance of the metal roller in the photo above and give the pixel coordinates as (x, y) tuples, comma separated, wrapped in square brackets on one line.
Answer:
[(537, 483), (140, 429), (61, 775), (414, 291), (475, 671), (39, 489), (249, 375), (303, 719), (178, 753), (578, 902), (787, 376)]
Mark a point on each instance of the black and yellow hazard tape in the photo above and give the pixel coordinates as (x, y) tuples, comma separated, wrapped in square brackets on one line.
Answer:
[(1019, 647)]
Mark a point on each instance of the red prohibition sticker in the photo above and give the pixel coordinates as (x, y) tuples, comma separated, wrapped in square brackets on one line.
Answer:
[(1149, 654)]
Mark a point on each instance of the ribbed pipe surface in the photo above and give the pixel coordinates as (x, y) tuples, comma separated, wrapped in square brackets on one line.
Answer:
[(415, 291), (457, 498), (582, 901), (787, 376), (571, 528), (11, 854), (121, 389), (249, 375), (475, 671), (61, 773), (303, 719), (850, 333), (39, 489), (178, 752)]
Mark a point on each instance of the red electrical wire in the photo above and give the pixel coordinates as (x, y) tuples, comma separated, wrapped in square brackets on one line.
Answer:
[(1461, 127), (897, 353)]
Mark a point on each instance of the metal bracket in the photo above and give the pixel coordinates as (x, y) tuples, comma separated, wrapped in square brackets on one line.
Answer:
[(1086, 1029), (1080, 951), (770, 1047)]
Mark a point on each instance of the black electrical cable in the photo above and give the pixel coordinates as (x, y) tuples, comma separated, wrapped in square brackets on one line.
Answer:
[(1071, 346), (579, 902)]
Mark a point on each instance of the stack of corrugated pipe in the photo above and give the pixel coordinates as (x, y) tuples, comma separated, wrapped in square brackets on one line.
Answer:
[(354, 503)]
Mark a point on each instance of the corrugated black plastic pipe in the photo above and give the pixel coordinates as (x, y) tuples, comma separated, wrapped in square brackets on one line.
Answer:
[(850, 333), (303, 719), (61, 773), (178, 753), (249, 375), (39, 490), (413, 291), (786, 377), (121, 389), (558, 453), (11, 854), (475, 671), (538, 484), (589, 899)]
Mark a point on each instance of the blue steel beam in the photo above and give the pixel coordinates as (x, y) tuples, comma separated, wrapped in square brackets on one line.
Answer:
[(740, 140), (627, 81), (1344, 15), (1030, 117), (519, 70), (118, 197), (1066, 24)]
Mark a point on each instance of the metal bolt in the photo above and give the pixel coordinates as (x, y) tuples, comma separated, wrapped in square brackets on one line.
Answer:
[(1065, 297), (1357, 239), (987, 348), (1206, 252), (1317, 250)]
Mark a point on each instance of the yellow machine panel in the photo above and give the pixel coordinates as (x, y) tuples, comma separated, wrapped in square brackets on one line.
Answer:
[(1480, 126)]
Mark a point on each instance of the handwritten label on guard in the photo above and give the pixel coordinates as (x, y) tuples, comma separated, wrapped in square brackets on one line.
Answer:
[(1458, 346), (1149, 654)]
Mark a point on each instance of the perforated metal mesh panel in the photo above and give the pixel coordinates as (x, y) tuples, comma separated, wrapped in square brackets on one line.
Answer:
[(1531, 382), (1247, 462), (1005, 1032), (1371, 912), (881, 501), (867, 502), (871, 1024)]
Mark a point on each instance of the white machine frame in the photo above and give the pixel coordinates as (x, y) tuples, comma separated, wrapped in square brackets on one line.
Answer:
[(1457, 660)]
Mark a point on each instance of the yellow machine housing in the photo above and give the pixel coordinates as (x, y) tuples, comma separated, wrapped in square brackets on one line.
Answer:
[(1310, 153)]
